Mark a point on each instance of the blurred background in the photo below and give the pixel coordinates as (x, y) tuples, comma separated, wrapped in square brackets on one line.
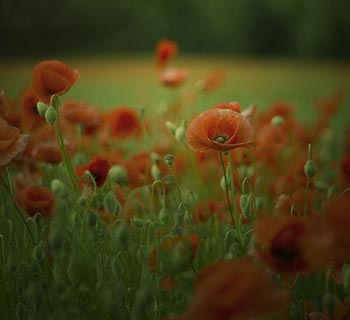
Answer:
[(313, 28), (267, 50)]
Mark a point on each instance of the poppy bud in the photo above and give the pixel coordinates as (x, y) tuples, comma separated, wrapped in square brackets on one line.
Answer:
[(82, 201), (58, 188), (180, 132), (111, 203), (164, 215), (169, 158), (50, 115), (156, 173), (122, 236), (92, 218), (155, 157), (41, 107), (171, 127), (56, 238), (259, 203), (39, 253), (118, 174), (309, 169), (277, 121)]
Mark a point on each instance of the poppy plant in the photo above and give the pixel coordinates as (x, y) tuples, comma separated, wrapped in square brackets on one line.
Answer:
[(53, 77), (12, 143), (33, 199), (220, 129)]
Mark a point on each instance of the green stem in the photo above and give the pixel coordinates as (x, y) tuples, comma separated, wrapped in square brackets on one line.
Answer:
[(56, 103), (226, 189)]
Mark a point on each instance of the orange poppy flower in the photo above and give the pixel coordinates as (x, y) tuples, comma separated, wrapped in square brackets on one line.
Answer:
[(166, 49), (293, 244), (123, 122), (12, 143), (228, 290), (47, 152), (173, 78), (98, 168), (138, 168), (53, 77), (81, 113), (219, 129), (34, 199)]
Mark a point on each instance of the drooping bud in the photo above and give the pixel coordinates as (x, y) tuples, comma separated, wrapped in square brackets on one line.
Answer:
[(56, 238), (155, 171), (41, 108), (122, 236), (171, 127), (50, 115), (92, 218), (180, 132), (164, 215), (58, 188), (111, 203), (118, 174)]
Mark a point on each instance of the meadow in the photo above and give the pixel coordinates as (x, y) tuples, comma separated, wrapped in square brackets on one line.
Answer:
[(219, 191)]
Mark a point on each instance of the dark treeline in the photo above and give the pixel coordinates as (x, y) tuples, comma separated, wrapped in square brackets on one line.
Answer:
[(312, 28)]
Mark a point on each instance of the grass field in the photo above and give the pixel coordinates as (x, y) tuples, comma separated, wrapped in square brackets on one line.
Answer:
[(111, 81)]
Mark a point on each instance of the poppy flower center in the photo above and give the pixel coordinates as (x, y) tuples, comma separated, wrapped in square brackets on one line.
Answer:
[(220, 139)]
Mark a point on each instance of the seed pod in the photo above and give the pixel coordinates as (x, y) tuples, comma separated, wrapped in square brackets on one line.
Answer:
[(277, 121)]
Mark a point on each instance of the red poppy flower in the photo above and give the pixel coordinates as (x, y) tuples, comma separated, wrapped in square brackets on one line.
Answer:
[(12, 143), (53, 77), (212, 81), (292, 244), (173, 77), (166, 49), (235, 290), (123, 122), (34, 199), (219, 129), (81, 113), (98, 168)]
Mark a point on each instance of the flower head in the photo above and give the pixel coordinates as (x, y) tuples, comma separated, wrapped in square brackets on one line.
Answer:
[(34, 199), (166, 49), (53, 77), (220, 129)]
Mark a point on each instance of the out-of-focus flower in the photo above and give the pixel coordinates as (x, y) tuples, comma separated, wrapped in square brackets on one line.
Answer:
[(12, 143), (82, 113), (123, 122), (293, 244), (98, 167), (173, 78), (219, 129), (166, 49), (53, 77), (212, 81), (34, 199), (228, 290)]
